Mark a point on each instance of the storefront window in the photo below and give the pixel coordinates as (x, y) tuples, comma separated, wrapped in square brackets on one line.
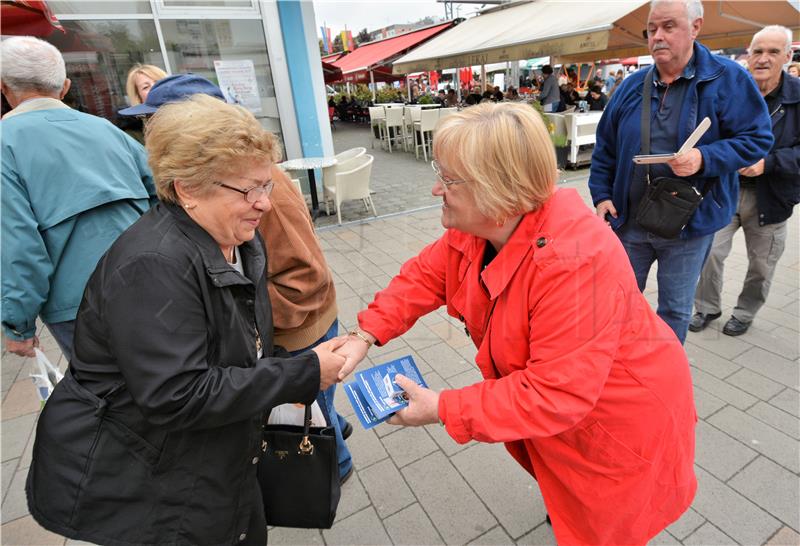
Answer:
[(208, 3), (99, 7), (232, 54), (98, 55)]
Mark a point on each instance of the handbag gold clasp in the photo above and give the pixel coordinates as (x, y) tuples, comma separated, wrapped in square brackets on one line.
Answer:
[(306, 447)]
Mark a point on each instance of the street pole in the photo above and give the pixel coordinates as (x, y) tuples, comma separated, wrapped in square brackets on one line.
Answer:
[(372, 84)]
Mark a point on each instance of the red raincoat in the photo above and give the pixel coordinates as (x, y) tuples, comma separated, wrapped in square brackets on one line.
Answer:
[(588, 388)]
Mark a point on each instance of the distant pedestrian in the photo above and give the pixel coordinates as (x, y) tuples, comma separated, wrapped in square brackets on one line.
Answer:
[(596, 99), (794, 70), (769, 190), (550, 95), (140, 79)]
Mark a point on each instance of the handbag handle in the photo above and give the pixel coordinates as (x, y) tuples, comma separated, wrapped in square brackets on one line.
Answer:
[(306, 447)]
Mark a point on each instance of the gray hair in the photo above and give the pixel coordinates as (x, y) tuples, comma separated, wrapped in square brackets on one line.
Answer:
[(31, 64), (775, 28), (694, 8)]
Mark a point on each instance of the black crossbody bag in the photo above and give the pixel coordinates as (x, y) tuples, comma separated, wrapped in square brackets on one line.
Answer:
[(668, 203)]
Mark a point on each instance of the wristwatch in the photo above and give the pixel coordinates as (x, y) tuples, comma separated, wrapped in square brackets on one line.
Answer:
[(360, 335)]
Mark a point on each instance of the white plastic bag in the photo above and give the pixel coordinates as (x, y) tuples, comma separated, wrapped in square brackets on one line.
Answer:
[(48, 376)]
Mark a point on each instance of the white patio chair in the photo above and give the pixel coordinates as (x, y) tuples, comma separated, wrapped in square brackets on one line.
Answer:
[(353, 183), (329, 173), (444, 112), (376, 116), (393, 126), (424, 128)]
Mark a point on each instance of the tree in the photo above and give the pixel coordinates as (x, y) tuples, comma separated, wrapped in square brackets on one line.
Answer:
[(337, 43), (363, 36)]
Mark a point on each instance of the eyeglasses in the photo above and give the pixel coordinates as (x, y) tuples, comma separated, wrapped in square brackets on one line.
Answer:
[(446, 182), (253, 194)]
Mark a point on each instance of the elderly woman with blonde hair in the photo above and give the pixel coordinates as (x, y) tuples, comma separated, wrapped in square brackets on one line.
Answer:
[(154, 435), (587, 387), (141, 77)]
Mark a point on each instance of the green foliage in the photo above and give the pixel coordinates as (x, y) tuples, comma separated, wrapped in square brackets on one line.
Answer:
[(362, 93), (425, 99), (559, 141), (387, 94)]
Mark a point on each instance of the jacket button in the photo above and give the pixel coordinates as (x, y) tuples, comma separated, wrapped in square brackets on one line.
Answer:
[(242, 537), (255, 460), (761, 215), (541, 241)]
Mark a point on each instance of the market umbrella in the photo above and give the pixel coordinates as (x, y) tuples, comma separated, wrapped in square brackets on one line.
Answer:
[(27, 18)]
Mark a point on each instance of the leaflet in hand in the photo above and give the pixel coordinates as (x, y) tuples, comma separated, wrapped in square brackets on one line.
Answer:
[(374, 394)]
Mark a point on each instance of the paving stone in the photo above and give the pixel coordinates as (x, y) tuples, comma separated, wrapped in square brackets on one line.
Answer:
[(363, 527), (468, 352), (21, 399), (788, 400), (709, 362), (706, 403), (711, 444), (663, 538), (412, 527), (776, 418), (387, 490), (735, 515), (445, 360), (7, 471), (708, 535), (755, 384), (787, 320), (420, 336), (541, 536), (763, 438), (439, 434), (722, 390), (455, 510), (408, 445), (287, 535), (718, 343), (465, 379), (510, 493), (771, 365), (26, 532), (15, 434), (493, 537), (15, 504), (686, 524), (354, 498), (71, 542), (451, 334), (11, 366), (365, 447), (772, 487), (784, 537), (348, 309)]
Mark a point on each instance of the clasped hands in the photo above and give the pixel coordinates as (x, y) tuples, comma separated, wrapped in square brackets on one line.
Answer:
[(339, 357)]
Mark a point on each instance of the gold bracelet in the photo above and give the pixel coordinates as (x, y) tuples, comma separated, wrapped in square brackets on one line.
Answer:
[(360, 336)]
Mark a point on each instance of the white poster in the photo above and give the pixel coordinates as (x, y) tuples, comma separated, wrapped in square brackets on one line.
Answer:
[(237, 79)]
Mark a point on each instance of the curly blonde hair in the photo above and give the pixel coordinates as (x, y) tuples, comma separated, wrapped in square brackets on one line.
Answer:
[(151, 71), (504, 154), (202, 139)]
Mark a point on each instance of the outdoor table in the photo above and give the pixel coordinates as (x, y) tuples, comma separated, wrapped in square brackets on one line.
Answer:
[(308, 164), (581, 128)]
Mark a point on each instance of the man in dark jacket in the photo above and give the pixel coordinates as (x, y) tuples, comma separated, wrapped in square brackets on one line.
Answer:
[(769, 189), (689, 84)]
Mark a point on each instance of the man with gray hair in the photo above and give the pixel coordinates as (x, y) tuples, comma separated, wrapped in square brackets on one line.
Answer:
[(769, 190), (71, 183), (686, 85)]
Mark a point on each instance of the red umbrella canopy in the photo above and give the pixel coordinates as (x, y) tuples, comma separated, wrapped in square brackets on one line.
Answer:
[(27, 18)]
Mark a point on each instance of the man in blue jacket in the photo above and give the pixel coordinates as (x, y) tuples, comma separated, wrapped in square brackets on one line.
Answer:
[(71, 183), (769, 190), (689, 84)]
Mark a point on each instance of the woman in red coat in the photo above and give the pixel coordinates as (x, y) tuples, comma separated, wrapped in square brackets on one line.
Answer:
[(587, 387)]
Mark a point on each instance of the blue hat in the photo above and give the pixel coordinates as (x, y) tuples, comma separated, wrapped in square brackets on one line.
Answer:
[(173, 89)]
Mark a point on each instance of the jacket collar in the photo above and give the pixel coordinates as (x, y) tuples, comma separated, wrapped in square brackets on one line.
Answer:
[(36, 104), (220, 271), (707, 66), (790, 90)]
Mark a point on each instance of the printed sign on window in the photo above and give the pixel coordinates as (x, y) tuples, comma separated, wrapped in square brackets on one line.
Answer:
[(237, 79)]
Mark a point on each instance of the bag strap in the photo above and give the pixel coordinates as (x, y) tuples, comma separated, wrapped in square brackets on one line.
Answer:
[(306, 447), (647, 91)]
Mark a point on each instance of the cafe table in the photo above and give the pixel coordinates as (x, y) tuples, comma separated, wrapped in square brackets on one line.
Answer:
[(309, 164)]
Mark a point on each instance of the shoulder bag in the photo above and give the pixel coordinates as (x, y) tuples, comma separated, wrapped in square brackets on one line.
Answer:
[(668, 203), (299, 475)]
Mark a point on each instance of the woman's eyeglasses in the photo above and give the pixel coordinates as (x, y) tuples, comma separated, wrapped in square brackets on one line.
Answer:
[(251, 195), (446, 182)]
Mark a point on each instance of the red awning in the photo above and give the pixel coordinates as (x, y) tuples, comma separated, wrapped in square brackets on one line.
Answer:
[(332, 73), (27, 18), (378, 56)]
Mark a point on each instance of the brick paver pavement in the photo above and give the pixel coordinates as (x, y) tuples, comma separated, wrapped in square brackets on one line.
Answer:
[(417, 486)]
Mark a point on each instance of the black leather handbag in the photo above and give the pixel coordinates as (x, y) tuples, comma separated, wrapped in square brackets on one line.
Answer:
[(299, 475), (668, 203)]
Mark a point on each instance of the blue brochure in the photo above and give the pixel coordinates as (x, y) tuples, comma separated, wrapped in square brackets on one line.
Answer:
[(374, 394)]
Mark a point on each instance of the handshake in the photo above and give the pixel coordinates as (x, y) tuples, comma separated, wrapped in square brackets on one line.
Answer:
[(339, 356)]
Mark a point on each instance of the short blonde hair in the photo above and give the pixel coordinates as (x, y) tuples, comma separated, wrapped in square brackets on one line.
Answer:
[(149, 70), (504, 154), (202, 139)]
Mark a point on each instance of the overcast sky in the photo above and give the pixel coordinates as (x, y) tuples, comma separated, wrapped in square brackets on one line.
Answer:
[(377, 14)]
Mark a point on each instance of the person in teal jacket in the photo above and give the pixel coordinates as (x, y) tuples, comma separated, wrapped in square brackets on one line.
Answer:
[(71, 184)]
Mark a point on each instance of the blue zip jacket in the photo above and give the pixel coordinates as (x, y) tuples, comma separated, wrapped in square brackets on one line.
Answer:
[(740, 134), (71, 184)]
